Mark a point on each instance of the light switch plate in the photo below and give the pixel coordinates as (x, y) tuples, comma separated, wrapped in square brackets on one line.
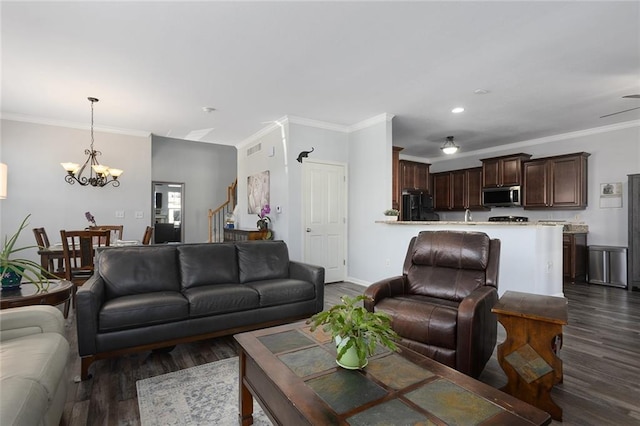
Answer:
[(119, 213), (139, 214)]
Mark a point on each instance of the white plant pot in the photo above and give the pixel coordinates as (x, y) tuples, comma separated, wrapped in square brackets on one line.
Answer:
[(391, 218), (350, 359)]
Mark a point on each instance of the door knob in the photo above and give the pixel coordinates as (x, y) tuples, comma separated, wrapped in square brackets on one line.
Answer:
[(308, 229)]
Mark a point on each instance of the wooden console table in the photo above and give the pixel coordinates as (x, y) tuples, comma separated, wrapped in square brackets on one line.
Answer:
[(244, 235), (528, 356)]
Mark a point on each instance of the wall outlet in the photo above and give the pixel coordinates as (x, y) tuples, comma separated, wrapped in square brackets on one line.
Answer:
[(387, 263), (139, 214), (120, 214)]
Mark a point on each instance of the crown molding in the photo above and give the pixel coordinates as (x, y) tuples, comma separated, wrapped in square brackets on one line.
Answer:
[(541, 141), (317, 124), (381, 118), (69, 124), (292, 119)]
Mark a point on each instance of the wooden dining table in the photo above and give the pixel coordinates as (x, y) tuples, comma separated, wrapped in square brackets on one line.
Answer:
[(55, 252)]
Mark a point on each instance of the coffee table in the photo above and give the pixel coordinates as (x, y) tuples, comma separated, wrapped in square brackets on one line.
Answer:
[(58, 292), (292, 373)]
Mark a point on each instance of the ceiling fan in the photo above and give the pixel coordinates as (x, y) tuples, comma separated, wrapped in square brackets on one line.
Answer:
[(626, 110)]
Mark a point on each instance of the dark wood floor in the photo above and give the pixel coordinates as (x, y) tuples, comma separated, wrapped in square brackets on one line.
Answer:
[(601, 356)]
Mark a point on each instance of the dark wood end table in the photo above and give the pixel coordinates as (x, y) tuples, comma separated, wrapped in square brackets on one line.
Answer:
[(528, 355), (292, 373), (58, 292)]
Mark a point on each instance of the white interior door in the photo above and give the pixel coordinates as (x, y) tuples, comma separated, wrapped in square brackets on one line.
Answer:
[(325, 218)]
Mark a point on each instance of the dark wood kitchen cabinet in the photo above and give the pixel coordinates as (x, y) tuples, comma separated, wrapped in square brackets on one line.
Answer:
[(414, 175), (574, 257), (503, 171), (558, 182), (458, 190), (396, 189), (441, 191)]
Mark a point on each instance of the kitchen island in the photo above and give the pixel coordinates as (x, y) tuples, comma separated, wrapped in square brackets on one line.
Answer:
[(530, 254)]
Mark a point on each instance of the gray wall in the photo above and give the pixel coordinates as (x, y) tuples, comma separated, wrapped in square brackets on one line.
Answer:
[(33, 153), (205, 169)]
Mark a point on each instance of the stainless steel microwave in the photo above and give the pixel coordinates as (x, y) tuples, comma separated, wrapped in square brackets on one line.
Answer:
[(507, 196)]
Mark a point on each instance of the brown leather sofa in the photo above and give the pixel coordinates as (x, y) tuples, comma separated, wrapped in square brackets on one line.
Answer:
[(441, 304)]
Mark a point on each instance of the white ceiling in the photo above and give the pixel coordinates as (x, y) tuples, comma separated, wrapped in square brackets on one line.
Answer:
[(549, 67)]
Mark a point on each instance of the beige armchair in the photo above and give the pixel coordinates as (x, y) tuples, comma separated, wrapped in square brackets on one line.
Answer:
[(33, 359)]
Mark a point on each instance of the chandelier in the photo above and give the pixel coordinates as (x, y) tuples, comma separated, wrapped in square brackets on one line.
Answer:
[(449, 147), (98, 174)]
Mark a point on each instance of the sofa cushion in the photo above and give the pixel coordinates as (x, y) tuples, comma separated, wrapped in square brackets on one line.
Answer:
[(138, 270), (221, 298), (41, 358), (448, 265), (262, 260), (422, 319), (206, 264), (23, 402), (459, 250), (140, 310), (282, 291)]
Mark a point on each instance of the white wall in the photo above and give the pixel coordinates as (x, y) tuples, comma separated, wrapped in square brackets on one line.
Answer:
[(329, 146), (205, 169), (369, 196), (615, 153), (33, 153), (286, 141)]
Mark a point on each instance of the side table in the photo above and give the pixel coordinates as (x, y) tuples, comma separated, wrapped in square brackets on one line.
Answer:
[(59, 292), (528, 355)]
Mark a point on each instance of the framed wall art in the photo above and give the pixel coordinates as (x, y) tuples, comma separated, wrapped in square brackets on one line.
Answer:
[(257, 191)]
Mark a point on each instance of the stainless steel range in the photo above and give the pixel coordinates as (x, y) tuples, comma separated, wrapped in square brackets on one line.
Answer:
[(508, 219)]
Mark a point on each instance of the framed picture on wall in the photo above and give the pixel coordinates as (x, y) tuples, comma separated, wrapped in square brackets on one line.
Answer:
[(257, 191)]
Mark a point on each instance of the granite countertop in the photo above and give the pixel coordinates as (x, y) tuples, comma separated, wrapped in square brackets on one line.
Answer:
[(568, 228)]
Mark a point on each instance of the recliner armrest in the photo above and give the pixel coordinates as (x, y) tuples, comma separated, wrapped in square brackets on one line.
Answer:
[(27, 320), (388, 287), (89, 299), (311, 273), (480, 326)]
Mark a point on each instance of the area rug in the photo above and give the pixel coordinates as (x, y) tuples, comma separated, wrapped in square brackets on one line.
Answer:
[(202, 395)]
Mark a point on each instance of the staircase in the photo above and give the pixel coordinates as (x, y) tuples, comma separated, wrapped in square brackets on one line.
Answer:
[(217, 216)]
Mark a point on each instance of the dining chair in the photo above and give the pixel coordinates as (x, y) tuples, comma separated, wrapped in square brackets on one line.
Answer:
[(42, 240), (148, 233), (116, 231), (51, 261), (79, 253)]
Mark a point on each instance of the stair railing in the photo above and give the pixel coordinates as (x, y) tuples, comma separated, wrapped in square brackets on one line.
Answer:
[(217, 217)]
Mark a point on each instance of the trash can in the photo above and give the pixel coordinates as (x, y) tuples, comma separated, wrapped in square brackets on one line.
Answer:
[(608, 265)]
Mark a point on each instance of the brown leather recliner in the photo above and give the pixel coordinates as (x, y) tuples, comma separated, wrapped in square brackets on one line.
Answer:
[(441, 304)]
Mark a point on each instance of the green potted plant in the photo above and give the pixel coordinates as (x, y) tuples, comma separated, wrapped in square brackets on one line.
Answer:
[(14, 270), (355, 330), (391, 214)]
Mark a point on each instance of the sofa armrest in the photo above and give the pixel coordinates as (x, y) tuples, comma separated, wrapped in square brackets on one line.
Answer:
[(89, 299), (18, 322), (388, 287), (313, 274), (477, 330)]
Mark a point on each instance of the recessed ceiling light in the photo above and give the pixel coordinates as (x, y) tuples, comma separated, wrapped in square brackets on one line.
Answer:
[(481, 91), (208, 109), (457, 110)]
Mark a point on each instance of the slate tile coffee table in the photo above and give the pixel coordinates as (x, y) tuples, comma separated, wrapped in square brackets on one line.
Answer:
[(293, 375)]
